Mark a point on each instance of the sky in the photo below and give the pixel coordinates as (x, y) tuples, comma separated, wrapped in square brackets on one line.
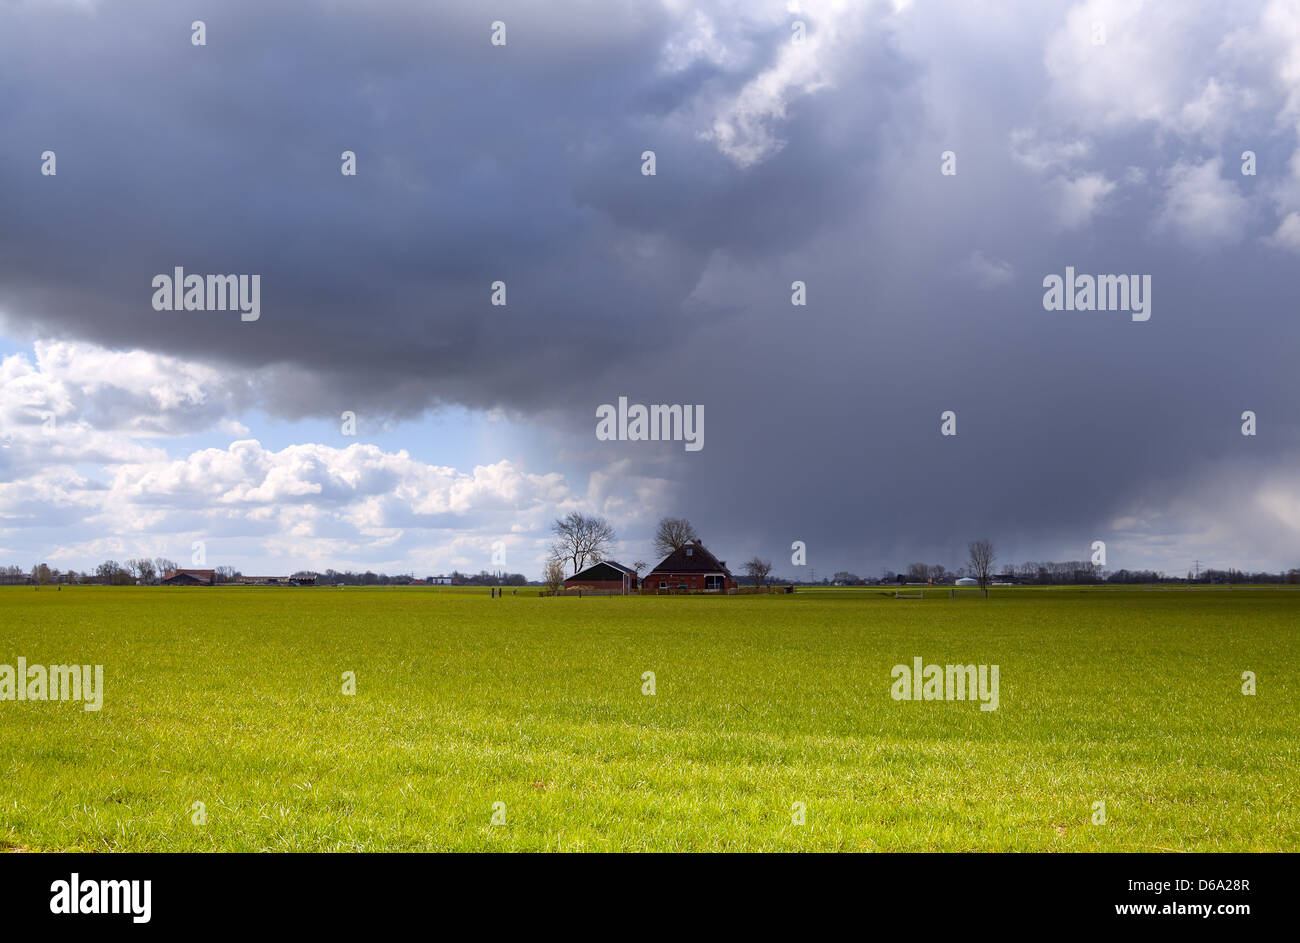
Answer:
[(921, 168)]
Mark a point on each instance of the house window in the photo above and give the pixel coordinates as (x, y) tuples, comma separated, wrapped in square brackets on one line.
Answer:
[(713, 582), (688, 551), (663, 584)]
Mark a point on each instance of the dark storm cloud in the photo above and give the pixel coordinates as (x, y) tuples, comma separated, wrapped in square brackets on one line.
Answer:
[(522, 164), (476, 164)]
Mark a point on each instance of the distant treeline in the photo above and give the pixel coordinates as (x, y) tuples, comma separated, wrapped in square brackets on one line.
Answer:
[(112, 573), (1061, 573), (108, 573), (369, 578)]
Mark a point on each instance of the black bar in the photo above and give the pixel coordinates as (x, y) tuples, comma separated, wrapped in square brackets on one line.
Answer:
[(974, 893)]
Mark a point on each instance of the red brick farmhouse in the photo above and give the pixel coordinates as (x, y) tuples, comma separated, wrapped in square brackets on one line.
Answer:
[(690, 570)]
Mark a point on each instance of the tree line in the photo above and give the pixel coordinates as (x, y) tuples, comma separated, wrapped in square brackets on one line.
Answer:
[(580, 540), (108, 573)]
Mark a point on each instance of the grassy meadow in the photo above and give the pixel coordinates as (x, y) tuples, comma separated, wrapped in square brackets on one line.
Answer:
[(232, 697)]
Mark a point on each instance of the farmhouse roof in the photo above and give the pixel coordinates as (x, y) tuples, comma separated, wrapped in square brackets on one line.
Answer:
[(618, 566), (693, 558)]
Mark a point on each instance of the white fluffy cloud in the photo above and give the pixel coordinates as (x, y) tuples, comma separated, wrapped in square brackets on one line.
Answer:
[(1080, 198), (1206, 77), (134, 393), (78, 481), (745, 124), (1075, 194), (1202, 208), (1167, 64)]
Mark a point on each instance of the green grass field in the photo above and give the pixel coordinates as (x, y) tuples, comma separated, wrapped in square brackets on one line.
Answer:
[(233, 698)]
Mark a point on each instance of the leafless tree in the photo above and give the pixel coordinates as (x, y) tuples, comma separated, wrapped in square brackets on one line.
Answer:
[(673, 534), (918, 572), (981, 562), (758, 570), (164, 566), (111, 573), (553, 575), (581, 539)]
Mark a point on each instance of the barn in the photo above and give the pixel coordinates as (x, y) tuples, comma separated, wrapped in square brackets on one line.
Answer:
[(190, 578), (692, 569), (604, 577)]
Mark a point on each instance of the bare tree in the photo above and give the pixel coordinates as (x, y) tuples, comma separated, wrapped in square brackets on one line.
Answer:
[(553, 575), (145, 566), (757, 570), (918, 573), (981, 562), (111, 573), (638, 567), (164, 566), (673, 534), (581, 538)]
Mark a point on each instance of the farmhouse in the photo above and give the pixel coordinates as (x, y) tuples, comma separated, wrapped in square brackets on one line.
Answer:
[(606, 577), (190, 578), (692, 569)]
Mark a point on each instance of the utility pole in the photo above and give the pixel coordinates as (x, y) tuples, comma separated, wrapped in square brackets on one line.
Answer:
[(1198, 571)]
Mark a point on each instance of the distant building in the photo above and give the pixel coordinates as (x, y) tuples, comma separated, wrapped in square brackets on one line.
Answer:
[(691, 569), (968, 581), (605, 577), (190, 578), (276, 581), (439, 580)]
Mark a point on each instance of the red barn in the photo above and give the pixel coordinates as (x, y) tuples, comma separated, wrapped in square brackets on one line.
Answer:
[(605, 577), (691, 569)]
